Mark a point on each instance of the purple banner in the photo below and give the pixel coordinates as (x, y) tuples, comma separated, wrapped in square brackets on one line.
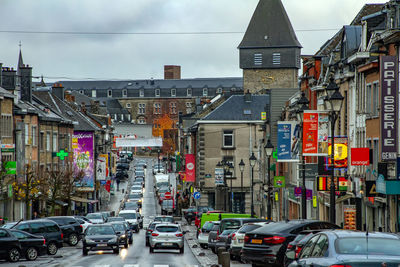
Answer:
[(82, 145), (388, 70)]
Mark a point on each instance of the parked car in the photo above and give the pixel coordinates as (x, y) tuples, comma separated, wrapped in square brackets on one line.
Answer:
[(268, 244), (222, 239), (212, 237), (122, 232), (158, 169), (70, 227), (122, 174), (96, 217), (32, 246), (123, 166), (83, 221), (134, 219), (298, 243), (10, 247), (349, 248), (204, 232), (167, 236), (164, 218), (41, 227), (100, 237)]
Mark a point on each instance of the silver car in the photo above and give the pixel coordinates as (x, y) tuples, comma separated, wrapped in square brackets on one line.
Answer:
[(167, 236)]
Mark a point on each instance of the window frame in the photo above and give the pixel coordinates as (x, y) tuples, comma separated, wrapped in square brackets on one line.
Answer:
[(94, 93), (128, 105), (205, 91), (141, 93), (55, 141), (48, 141), (173, 92), (124, 93), (33, 130), (172, 108), (226, 133), (109, 93), (157, 92), (141, 108)]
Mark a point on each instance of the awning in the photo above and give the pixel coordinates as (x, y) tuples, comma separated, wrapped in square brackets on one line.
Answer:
[(345, 197), (84, 200), (61, 203)]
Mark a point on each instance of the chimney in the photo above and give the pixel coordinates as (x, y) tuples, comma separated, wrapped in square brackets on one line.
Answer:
[(9, 78), (94, 106), (25, 73), (58, 90), (68, 96), (172, 72)]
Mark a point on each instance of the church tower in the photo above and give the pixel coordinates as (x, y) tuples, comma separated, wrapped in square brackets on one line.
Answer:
[(269, 51)]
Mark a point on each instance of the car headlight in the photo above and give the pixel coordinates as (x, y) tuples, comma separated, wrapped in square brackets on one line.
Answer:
[(88, 240), (123, 236), (113, 240)]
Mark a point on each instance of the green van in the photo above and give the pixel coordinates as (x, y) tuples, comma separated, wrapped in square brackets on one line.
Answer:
[(214, 216)]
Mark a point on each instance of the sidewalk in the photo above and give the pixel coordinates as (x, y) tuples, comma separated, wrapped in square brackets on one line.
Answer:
[(115, 202)]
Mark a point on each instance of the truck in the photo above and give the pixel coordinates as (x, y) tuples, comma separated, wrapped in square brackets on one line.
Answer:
[(161, 180)]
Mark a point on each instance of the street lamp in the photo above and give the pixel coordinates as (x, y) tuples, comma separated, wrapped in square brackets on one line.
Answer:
[(158, 153), (333, 102), (303, 105), (252, 160), (241, 167), (269, 148)]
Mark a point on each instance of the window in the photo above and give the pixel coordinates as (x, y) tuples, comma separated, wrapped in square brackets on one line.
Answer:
[(257, 59), (320, 247), (306, 251), (219, 90), (173, 92), (276, 58), (115, 117), (368, 99), (48, 145), (128, 105), (141, 121), (172, 108), (205, 91), (34, 138), (26, 134), (129, 117), (157, 108), (6, 125), (141, 108), (81, 92), (228, 138), (189, 92), (41, 141), (3, 233), (188, 107), (109, 93), (122, 117), (124, 93), (375, 99), (141, 93), (55, 148), (37, 228), (93, 93), (157, 92)]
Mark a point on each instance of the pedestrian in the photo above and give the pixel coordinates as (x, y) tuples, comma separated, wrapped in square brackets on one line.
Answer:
[(118, 181), (35, 215)]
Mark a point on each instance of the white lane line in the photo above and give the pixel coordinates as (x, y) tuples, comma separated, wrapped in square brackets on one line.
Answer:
[(131, 265), (161, 265), (102, 265)]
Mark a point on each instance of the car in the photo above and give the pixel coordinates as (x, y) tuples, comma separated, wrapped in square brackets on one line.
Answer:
[(349, 248), (268, 244), (96, 217), (167, 236), (130, 235), (229, 223), (131, 205), (238, 238), (133, 218), (167, 207), (32, 246), (10, 247), (115, 219), (190, 214), (134, 196), (136, 189), (41, 227), (83, 223), (212, 237), (149, 230), (164, 218), (223, 238), (139, 180), (122, 174), (70, 227), (158, 169), (123, 166), (204, 232), (100, 237), (122, 231), (139, 173)]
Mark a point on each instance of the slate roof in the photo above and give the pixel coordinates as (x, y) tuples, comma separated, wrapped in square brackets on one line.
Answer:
[(236, 108), (269, 27), (6, 93)]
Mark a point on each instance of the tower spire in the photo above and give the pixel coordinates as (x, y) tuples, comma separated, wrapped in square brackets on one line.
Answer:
[(20, 60)]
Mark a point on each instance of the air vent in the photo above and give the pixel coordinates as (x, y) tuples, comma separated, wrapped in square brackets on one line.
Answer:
[(276, 58), (247, 112), (258, 59)]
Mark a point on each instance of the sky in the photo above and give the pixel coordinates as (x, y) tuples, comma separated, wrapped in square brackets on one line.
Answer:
[(58, 41)]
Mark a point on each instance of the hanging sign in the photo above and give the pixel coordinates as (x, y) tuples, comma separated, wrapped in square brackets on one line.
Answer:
[(315, 133), (288, 141), (349, 212), (360, 156), (279, 181)]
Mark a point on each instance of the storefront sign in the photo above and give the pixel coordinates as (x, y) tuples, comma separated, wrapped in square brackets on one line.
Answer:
[(389, 91), (11, 167), (370, 189), (324, 184), (288, 141), (190, 168), (219, 176), (83, 157), (315, 133), (279, 181), (311, 171), (7, 147), (360, 156), (349, 212), (340, 153)]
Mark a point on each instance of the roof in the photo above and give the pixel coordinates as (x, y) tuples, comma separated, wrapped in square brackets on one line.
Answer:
[(6, 93), (269, 27), (236, 108)]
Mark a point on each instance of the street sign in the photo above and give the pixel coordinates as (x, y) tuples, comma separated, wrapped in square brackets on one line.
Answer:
[(167, 195), (196, 195)]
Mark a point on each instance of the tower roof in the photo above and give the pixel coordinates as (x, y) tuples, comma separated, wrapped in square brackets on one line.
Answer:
[(269, 27)]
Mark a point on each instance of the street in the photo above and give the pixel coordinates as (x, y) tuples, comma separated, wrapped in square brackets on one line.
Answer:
[(136, 255)]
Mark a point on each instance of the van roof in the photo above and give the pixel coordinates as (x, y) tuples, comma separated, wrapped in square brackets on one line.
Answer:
[(127, 211)]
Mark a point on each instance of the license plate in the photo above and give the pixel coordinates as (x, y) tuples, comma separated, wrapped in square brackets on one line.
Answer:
[(167, 244), (102, 245), (256, 241)]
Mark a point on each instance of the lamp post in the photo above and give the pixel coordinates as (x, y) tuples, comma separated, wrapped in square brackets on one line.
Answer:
[(333, 102), (241, 167), (269, 148), (252, 160), (158, 166), (303, 105)]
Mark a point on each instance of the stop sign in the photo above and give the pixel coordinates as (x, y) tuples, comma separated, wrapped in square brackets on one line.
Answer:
[(167, 195)]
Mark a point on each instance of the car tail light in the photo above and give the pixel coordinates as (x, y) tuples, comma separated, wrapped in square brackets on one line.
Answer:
[(298, 250), (149, 230), (154, 234), (233, 236), (246, 239), (81, 227), (44, 241), (274, 240), (179, 235)]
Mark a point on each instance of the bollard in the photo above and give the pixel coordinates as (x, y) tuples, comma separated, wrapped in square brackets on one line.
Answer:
[(219, 252), (225, 259)]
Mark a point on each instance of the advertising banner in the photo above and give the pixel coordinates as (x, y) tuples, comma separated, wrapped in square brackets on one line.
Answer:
[(190, 168), (288, 141), (360, 156), (324, 184), (389, 106), (105, 157), (340, 153), (315, 133), (82, 143), (101, 170), (219, 176), (349, 217)]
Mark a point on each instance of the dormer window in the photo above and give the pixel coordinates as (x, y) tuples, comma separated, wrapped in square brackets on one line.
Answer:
[(189, 92), (109, 93), (93, 93), (124, 93), (81, 92), (219, 90), (173, 92), (141, 93), (157, 92), (205, 92)]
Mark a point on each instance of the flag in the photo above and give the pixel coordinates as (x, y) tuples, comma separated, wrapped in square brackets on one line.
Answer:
[(342, 184), (322, 184)]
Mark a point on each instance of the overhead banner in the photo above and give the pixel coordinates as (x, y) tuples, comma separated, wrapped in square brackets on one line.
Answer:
[(132, 142), (360, 156), (389, 106), (190, 168), (288, 141), (315, 133)]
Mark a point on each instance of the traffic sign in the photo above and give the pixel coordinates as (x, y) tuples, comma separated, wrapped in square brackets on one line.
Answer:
[(167, 195), (196, 195)]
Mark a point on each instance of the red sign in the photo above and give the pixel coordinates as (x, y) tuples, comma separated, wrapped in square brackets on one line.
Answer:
[(310, 133), (167, 195), (360, 156), (190, 165)]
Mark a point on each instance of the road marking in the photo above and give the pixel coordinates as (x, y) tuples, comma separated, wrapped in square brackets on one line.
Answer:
[(161, 265), (131, 265)]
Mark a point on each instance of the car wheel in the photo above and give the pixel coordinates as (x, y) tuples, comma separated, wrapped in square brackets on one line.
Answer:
[(141, 226), (116, 250), (73, 239), (84, 251), (126, 244), (203, 246), (13, 255), (213, 250), (151, 250), (31, 254), (182, 250), (52, 248)]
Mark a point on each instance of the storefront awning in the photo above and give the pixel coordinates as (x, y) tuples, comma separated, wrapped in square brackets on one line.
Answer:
[(61, 203), (345, 197), (83, 200)]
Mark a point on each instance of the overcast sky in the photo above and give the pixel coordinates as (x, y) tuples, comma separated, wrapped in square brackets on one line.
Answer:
[(130, 56)]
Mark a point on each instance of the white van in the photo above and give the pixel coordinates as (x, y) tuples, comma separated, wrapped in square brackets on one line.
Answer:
[(134, 219)]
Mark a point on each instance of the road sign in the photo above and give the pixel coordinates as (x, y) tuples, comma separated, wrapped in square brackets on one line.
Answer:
[(167, 195), (196, 195)]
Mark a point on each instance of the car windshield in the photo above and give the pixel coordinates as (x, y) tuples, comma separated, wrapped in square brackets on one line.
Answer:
[(115, 219), (227, 232), (163, 190), (119, 227), (100, 230), (166, 229), (164, 219), (208, 226), (131, 196), (248, 228), (94, 216), (370, 246), (128, 215), (136, 188)]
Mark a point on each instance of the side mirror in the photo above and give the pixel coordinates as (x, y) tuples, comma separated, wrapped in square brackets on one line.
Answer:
[(184, 232), (291, 255)]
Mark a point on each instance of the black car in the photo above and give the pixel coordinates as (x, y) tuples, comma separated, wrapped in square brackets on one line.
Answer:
[(100, 237), (42, 227), (122, 231), (70, 227), (122, 174), (32, 246), (10, 247), (268, 244), (123, 166)]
